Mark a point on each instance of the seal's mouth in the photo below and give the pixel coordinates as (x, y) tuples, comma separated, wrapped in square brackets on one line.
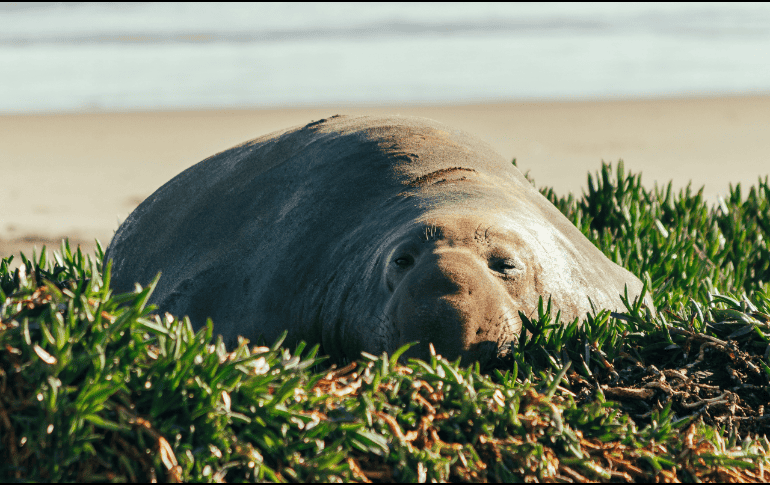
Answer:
[(442, 175)]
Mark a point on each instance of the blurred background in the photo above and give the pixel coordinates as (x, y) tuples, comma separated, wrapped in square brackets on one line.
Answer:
[(101, 103), (156, 56)]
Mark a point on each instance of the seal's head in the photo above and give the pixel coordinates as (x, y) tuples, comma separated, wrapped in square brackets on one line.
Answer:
[(363, 234), (458, 282)]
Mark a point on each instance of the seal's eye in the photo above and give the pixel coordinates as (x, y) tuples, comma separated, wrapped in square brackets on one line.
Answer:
[(505, 266), (404, 261)]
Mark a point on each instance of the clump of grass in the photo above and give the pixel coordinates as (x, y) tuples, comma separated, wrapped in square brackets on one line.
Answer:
[(96, 386), (689, 249)]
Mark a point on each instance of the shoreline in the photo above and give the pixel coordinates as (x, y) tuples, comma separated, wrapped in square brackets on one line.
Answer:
[(80, 175)]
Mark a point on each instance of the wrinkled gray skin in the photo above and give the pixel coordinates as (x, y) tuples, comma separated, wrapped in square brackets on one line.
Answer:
[(362, 234)]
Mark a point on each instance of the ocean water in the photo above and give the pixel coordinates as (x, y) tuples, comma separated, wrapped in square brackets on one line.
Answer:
[(119, 56)]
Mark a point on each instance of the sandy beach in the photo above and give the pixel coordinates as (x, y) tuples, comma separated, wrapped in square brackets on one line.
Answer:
[(80, 175)]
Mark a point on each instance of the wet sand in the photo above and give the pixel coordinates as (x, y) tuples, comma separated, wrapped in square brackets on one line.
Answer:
[(80, 175)]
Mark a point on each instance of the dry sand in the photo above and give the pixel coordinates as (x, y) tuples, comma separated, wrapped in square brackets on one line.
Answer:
[(80, 175)]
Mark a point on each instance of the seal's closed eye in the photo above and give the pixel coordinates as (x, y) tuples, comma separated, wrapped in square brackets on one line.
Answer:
[(404, 262), (506, 266)]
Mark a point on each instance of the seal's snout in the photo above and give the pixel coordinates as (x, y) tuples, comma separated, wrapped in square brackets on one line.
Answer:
[(449, 300)]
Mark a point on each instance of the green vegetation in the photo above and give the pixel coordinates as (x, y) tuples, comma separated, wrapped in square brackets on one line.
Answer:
[(94, 386)]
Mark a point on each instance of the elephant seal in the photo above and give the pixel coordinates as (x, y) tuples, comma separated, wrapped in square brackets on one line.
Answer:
[(362, 234)]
